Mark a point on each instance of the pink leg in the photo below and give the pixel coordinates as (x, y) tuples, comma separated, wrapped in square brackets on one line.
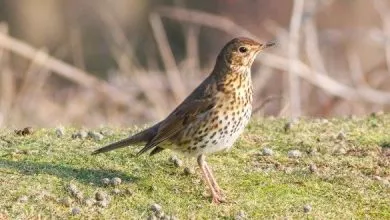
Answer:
[(215, 191), (213, 181)]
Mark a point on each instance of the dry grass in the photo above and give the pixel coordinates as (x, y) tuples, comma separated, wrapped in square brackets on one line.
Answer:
[(316, 70)]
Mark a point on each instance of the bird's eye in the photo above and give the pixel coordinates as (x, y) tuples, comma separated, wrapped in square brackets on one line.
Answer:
[(243, 49)]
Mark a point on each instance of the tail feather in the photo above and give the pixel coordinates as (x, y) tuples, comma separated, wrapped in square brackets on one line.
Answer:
[(143, 136)]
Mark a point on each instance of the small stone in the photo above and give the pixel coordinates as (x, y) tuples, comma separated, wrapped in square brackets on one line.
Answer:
[(79, 195), (240, 215), (174, 217), (73, 189), (60, 131), (100, 196), (152, 217), (116, 181), (287, 127), (156, 208), (160, 214), (267, 152), (103, 203), (313, 168), (67, 201), (116, 191), (76, 211), (173, 158), (378, 178), (23, 199), (129, 192), (83, 134), (341, 136), (288, 170), (324, 121), (105, 181), (178, 163), (80, 135), (95, 135), (307, 208), (340, 151), (294, 154), (89, 202), (188, 171)]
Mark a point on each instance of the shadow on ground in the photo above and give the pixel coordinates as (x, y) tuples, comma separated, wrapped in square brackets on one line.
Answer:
[(83, 175)]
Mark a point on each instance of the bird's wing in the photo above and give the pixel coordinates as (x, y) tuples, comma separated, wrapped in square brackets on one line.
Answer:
[(179, 119)]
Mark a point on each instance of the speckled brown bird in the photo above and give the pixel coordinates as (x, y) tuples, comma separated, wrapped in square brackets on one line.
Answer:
[(212, 117)]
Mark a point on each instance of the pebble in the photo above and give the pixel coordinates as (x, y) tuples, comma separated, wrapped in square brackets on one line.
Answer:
[(240, 215), (76, 211), (287, 126), (294, 154), (152, 217), (73, 189), (189, 171), (116, 181), (89, 202), (67, 201), (178, 163), (80, 135), (129, 192), (60, 131), (100, 196), (307, 208), (79, 195), (313, 168), (156, 207), (267, 151), (105, 181), (341, 136), (377, 178), (116, 191), (160, 214), (23, 199), (173, 158), (103, 203), (324, 121), (340, 151), (95, 135)]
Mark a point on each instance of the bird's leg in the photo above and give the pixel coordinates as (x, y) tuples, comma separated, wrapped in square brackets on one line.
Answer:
[(203, 166), (213, 180)]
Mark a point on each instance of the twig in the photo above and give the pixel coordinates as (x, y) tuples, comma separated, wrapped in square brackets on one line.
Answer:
[(314, 77), (293, 54), (65, 70), (265, 102), (204, 18), (384, 14), (327, 83), (167, 57)]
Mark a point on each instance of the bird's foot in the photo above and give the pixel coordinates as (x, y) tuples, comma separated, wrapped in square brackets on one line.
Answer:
[(218, 200)]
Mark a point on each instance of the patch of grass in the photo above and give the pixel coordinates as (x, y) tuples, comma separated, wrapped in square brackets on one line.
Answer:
[(351, 179)]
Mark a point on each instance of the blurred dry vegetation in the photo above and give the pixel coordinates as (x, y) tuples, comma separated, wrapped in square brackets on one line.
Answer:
[(125, 62)]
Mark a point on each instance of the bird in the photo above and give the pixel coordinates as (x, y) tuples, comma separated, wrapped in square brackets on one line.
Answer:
[(212, 117)]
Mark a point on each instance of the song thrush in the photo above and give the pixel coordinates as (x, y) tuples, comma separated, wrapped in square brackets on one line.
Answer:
[(212, 117)]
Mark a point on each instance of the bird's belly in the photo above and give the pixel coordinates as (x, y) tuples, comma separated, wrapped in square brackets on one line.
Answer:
[(209, 136)]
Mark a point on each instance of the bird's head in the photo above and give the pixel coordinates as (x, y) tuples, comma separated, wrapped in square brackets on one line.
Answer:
[(241, 52)]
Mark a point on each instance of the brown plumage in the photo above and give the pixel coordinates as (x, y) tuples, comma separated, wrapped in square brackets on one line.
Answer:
[(212, 117)]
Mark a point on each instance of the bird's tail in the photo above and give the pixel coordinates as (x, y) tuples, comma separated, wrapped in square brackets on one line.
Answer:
[(143, 136)]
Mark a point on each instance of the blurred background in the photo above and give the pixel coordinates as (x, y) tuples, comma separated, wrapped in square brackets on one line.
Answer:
[(124, 62)]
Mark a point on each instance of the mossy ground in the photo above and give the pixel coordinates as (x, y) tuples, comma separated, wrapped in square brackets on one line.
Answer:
[(351, 180)]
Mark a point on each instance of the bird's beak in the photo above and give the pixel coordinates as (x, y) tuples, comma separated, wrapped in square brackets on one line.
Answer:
[(268, 44)]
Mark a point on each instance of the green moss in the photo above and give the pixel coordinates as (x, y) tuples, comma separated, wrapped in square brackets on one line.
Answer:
[(41, 165)]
